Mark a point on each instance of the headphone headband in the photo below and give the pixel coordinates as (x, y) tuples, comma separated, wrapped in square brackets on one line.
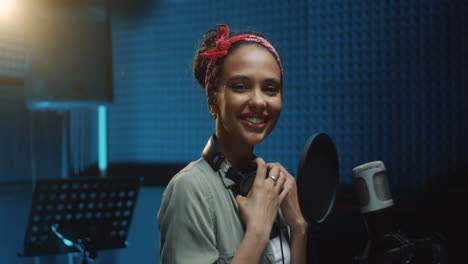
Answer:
[(212, 155)]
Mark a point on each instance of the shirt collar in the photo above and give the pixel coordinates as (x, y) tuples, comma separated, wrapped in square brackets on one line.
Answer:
[(217, 161)]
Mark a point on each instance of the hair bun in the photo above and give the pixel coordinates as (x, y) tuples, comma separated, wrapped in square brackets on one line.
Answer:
[(201, 63)]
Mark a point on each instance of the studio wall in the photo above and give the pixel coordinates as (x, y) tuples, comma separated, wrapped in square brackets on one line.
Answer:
[(385, 79)]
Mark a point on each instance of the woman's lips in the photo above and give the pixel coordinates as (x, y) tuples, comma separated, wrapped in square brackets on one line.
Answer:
[(253, 122)]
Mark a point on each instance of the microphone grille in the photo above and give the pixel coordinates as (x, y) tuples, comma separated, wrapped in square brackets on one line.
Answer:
[(362, 192), (370, 165), (372, 186)]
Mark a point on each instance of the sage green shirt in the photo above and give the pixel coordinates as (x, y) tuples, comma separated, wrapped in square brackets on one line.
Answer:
[(199, 220)]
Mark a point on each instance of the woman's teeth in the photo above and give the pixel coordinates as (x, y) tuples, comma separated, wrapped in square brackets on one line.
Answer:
[(255, 120)]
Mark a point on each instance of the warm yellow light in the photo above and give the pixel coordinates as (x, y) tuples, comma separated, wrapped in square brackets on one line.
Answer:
[(6, 7)]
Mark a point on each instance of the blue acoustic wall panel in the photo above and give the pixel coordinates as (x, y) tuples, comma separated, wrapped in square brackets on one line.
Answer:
[(390, 76), (82, 139), (30, 145), (386, 79), (160, 113)]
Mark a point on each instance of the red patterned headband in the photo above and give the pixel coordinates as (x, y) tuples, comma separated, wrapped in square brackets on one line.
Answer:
[(223, 44)]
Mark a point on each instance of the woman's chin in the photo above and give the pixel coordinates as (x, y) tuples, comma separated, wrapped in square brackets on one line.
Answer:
[(254, 138)]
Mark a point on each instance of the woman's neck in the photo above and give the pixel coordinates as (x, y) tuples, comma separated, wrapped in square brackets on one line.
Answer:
[(237, 153)]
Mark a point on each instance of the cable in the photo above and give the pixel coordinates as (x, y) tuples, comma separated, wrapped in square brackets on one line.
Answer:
[(281, 245), (275, 225), (281, 240)]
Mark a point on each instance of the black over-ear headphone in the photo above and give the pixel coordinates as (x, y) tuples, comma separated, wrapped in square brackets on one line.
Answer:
[(243, 177)]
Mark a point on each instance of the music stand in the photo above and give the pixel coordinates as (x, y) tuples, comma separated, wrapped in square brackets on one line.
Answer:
[(80, 215)]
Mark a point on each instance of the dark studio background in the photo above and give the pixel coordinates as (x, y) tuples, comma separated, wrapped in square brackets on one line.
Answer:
[(385, 79)]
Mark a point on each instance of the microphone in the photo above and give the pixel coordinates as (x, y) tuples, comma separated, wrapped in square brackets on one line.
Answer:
[(376, 203), (374, 197), (372, 186), (386, 243)]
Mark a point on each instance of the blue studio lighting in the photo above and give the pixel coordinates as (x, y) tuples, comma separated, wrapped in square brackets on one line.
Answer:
[(102, 138)]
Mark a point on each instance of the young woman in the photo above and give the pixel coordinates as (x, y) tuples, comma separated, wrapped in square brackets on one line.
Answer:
[(204, 216)]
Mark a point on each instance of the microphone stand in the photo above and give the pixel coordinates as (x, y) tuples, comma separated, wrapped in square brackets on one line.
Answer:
[(88, 254), (313, 242)]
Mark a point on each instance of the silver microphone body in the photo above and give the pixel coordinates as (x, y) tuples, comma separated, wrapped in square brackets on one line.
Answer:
[(372, 186)]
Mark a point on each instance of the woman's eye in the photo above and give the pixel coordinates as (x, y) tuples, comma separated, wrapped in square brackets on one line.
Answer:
[(238, 87), (272, 89)]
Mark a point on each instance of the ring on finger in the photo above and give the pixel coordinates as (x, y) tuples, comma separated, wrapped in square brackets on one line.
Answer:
[(274, 178)]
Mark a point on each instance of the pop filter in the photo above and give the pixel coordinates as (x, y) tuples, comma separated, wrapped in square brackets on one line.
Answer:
[(317, 178)]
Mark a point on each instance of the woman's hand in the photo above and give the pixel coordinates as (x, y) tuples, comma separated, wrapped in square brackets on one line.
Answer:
[(290, 206), (260, 207)]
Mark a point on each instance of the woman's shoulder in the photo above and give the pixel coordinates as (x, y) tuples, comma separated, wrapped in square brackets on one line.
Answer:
[(193, 173), (189, 186), (195, 177)]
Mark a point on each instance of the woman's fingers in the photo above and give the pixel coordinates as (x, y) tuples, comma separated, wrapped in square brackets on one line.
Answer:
[(240, 200), (261, 171), (285, 190), (280, 182), (284, 171), (259, 161), (273, 175)]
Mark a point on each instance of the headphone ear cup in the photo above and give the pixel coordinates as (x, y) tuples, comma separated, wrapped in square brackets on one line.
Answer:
[(243, 178), (246, 185), (246, 174)]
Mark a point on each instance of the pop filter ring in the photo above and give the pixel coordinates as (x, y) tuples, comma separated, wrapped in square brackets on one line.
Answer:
[(317, 191)]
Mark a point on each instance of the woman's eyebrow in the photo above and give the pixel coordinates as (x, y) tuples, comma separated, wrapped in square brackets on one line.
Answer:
[(238, 78), (273, 80)]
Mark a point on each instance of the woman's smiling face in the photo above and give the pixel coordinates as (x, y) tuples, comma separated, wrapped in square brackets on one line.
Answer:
[(249, 100)]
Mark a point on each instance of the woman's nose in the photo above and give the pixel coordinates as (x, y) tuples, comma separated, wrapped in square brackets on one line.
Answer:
[(257, 100)]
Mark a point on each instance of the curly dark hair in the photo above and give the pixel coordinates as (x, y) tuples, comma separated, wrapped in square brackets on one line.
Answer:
[(201, 63)]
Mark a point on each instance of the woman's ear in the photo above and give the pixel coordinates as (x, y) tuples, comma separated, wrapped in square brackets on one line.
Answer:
[(212, 105)]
